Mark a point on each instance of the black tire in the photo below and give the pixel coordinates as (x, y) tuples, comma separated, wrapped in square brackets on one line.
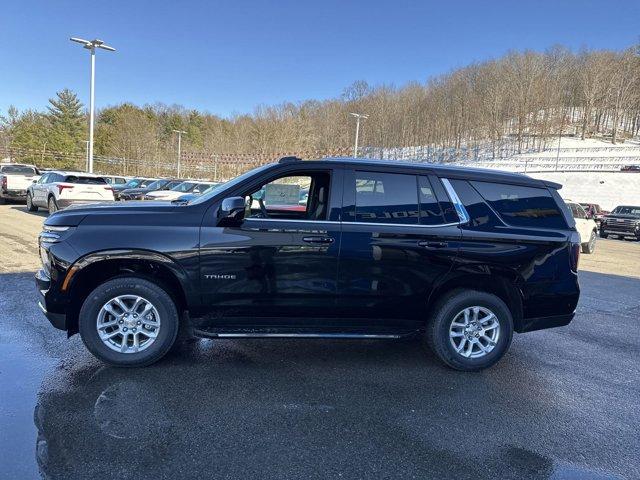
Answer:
[(160, 299), (30, 206), (446, 310), (52, 204), (603, 234), (590, 246)]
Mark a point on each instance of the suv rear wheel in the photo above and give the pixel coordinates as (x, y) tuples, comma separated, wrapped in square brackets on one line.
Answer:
[(129, 322), (30, 206), (470, 330), (53, 206)]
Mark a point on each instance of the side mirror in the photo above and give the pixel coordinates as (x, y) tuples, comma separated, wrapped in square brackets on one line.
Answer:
[(232, 209)]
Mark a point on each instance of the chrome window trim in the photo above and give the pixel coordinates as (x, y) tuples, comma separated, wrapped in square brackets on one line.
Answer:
[(463, 215), (376, 224)]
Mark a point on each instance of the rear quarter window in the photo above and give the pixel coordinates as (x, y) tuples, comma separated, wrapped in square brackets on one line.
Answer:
[(521, 206)]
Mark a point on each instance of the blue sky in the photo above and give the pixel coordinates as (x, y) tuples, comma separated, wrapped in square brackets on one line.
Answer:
[(227, 57)]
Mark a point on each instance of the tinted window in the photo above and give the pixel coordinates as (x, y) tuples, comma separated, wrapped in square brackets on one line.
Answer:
[(85, 180), (184, 187), (386, 198), (18, 169), (119, 181), (627, 210), (522, 206), (430, 212)]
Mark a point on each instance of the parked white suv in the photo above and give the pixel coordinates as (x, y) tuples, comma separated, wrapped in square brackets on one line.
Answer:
[(587, 227), (15, 178), (56, 190)]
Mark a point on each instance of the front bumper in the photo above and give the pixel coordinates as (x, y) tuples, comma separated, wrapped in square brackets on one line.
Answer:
[(43, 283), (612, 230)]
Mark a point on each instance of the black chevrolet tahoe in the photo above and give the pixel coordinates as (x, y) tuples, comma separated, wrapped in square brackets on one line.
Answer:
[(462, 257), (623, 221)]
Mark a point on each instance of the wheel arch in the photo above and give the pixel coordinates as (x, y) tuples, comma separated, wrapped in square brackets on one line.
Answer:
[(502, 284), (93, 269)]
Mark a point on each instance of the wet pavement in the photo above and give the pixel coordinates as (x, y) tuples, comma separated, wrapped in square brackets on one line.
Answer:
[(562, 404)]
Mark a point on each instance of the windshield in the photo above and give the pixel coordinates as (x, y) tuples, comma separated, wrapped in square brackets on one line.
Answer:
[(230, 184), (20, 169), (627, 211), (133, 183), (157, 185), (184, 187)]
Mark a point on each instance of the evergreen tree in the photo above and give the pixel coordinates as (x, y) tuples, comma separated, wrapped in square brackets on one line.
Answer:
[(67, 132)]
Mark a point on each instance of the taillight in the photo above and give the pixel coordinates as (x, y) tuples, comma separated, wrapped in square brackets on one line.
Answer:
[(108, 188), (62, 187), (575, 252)]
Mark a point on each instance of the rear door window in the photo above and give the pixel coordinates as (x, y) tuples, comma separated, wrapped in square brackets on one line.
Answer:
[(522, 206), (430, 211), (387, 198)]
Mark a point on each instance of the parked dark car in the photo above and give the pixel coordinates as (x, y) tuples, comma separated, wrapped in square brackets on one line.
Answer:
[(630, 168), (140, 192), (462, 257), (623, 221), (133, 183)]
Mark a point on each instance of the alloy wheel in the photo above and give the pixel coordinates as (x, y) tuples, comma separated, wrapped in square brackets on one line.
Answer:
[(128, 323), (474, 332)]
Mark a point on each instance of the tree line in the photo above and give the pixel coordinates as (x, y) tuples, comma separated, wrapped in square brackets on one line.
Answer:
[(526, 98)]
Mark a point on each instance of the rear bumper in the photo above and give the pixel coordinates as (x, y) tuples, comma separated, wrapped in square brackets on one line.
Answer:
[(540, 323), (13, 194), (65, 202), (43, 283)]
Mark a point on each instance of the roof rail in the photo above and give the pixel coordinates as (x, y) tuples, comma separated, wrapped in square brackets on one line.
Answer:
[(289, 160)]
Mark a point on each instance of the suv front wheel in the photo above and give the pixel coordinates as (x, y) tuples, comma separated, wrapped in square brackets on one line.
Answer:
[(129, 322), (470, 330)]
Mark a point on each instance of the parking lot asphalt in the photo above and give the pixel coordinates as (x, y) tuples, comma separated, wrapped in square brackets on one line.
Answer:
[(562, 404)]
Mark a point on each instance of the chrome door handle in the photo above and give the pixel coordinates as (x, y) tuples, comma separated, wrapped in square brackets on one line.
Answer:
[(317, 239), (432, 244)]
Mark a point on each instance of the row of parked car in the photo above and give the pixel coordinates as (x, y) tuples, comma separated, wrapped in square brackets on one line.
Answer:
[(56, 189)]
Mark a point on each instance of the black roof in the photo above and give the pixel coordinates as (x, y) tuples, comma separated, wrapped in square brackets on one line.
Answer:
[(449, 171)]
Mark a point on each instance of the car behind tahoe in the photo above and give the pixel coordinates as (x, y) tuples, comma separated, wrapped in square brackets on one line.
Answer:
[(462, 257)]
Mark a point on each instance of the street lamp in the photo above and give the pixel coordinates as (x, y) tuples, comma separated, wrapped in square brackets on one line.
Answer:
[(180, 133), (358, 117), (92, 45)]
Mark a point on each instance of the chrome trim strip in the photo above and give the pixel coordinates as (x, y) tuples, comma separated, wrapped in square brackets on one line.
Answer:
[(355, 223), (289, 220), (44, 310), (299, 335), (402, 224), (463, 215)]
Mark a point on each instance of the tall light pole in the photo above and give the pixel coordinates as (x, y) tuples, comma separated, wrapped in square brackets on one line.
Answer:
[(358, 117), (180, 133), (92, 45)]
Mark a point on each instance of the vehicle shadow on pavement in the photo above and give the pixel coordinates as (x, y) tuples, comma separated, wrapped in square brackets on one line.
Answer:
[(23, 208)]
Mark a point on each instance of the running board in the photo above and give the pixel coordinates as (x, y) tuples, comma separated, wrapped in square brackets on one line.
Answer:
[(362, 336)]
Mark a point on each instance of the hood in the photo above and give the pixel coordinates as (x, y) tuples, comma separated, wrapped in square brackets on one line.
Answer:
[(73, 215), (622, 215)]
